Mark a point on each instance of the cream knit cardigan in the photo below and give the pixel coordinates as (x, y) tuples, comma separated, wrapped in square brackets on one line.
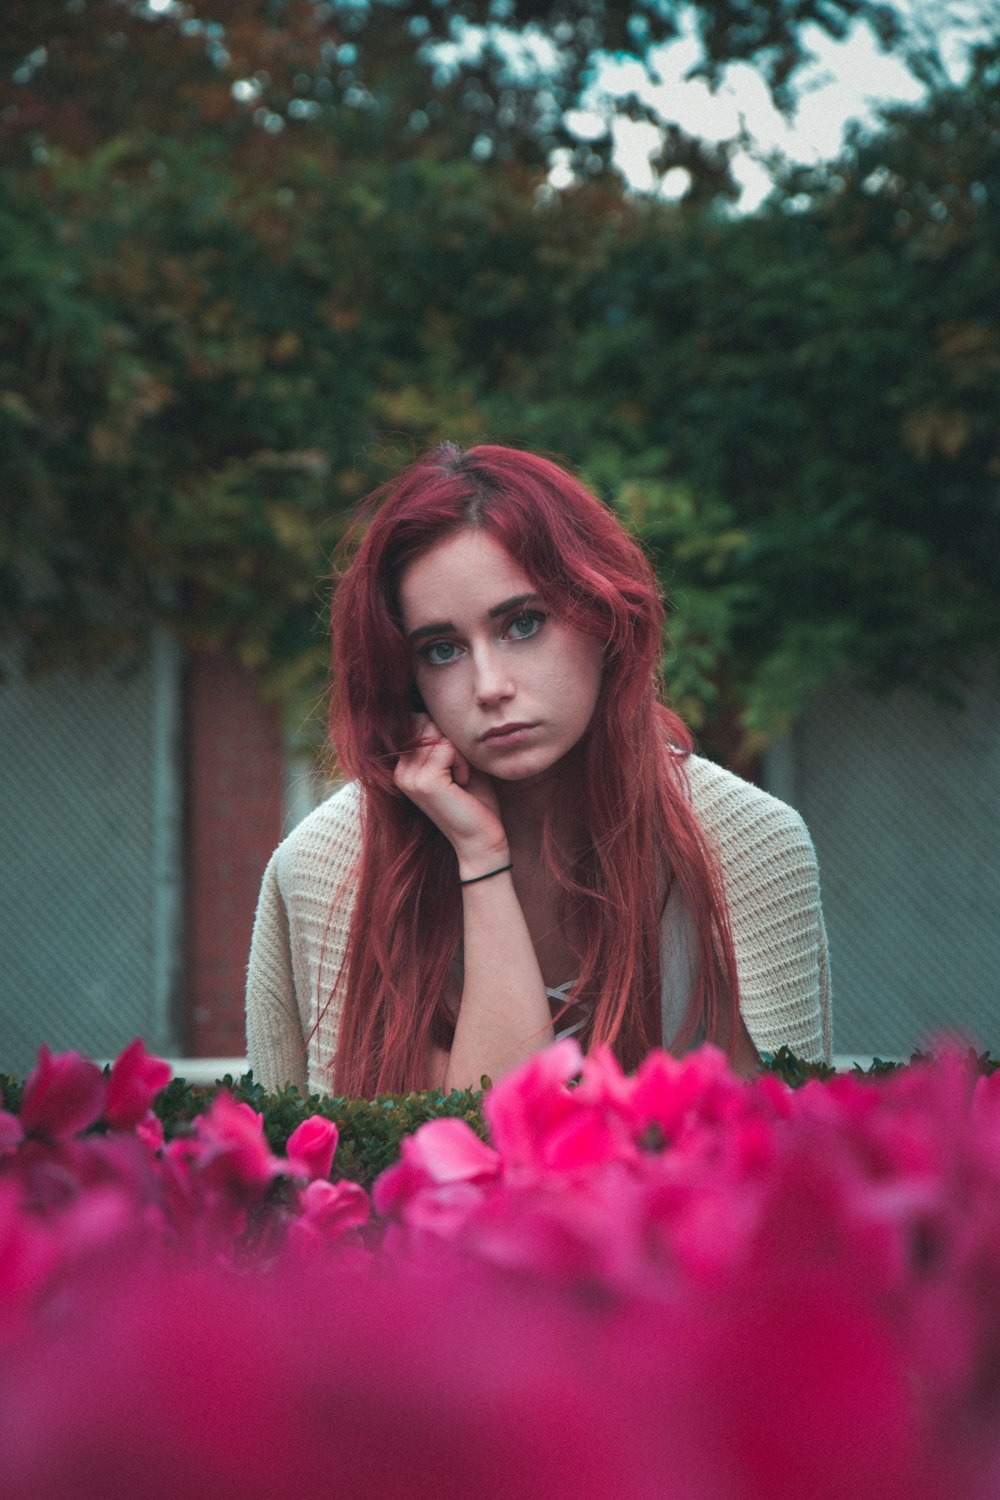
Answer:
[(772, 887)]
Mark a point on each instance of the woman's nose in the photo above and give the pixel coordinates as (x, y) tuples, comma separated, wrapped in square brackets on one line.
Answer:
[(492, 680)]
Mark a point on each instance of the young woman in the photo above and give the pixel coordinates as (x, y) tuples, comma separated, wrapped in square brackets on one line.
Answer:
[(526, 846)]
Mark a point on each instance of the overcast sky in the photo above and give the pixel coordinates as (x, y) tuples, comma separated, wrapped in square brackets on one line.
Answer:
[(846, 80)]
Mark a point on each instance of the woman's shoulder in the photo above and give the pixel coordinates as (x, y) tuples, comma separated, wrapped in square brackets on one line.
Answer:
[(772, 890), (738, 814), (325, 845)]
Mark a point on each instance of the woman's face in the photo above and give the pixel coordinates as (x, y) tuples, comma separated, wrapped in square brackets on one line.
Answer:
[(511, 685)]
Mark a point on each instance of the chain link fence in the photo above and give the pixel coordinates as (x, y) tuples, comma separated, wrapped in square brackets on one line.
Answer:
[(902, 797), (900, 794), (90, 869)]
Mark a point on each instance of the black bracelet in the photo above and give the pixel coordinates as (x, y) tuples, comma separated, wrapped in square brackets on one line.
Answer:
[(500, 869)]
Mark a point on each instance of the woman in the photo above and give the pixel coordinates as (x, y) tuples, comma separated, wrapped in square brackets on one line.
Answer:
[(526, 846)]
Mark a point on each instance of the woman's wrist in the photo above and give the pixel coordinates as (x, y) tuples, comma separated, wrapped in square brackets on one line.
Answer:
[(480, 865), (487, 874)]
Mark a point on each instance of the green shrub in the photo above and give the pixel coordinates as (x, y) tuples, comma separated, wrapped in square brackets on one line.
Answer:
[(371, 1130)]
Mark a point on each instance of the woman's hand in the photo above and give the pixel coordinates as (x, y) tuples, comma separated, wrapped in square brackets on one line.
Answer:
[(503, 1015), (458, 799)]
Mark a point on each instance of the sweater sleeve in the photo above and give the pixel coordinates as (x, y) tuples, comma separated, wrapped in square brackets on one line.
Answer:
[(772, 888), (276, 1047), (296, 977)]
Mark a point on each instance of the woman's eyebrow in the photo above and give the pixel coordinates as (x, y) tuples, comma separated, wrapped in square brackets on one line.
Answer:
[(443, 627), (436, 627), (515, 603)]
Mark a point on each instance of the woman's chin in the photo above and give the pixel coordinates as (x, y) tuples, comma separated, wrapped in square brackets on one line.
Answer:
[(531, 772)]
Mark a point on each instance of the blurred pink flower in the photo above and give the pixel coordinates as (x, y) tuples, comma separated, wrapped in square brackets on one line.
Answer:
[(452, 1386), (136, 1078), (231, 1149), (439, 1177), (442, 1173), (149, 1130), (681, 1095), (63, 1095), (11, 1132), (538, 1124), (330, 1210), (28, 1253), (311, 1147), (676, 1282)]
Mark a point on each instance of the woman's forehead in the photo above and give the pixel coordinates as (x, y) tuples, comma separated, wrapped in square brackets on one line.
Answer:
[(469, 572)]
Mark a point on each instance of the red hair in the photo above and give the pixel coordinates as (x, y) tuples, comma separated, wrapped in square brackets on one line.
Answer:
[(643, 832)]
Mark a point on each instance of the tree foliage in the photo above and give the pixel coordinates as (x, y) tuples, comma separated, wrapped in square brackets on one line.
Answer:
[(501, 73), (825, 375), (216, 333)]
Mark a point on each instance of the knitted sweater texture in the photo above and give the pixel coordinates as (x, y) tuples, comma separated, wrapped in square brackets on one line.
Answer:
[(295, 983)]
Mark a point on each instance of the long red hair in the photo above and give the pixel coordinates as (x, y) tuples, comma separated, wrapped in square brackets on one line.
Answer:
[(643, 832)]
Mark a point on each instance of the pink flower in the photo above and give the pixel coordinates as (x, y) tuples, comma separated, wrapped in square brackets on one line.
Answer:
[(62, 1095), (311, 1147), (440, 1178), (532, 1104), (213, 1179), (331, 1209), (604, 1083), (678, 1094), (796, 1387), (232, 1151), (150, 1132), (591, 1231), (27, 1252), (441, 1154), (136, 1079), (182, 1199), (11, 1132), (540, 1125)]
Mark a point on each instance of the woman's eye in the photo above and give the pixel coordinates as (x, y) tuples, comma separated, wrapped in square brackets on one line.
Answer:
[(525, 624), (439, 653)]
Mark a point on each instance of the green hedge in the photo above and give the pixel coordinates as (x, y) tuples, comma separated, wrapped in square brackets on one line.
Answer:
[(371, 1130)]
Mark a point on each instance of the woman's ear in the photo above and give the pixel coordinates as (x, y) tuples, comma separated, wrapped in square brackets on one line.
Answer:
[(416, 702)]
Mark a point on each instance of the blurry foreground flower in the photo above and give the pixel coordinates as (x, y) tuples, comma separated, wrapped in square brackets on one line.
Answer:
[(673, 1283), (63, 1094)]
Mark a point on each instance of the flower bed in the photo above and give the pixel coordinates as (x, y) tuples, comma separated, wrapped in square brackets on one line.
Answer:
[(672, 1284)]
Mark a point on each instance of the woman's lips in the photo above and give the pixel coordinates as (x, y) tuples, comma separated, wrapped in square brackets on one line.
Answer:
[(506, 734)]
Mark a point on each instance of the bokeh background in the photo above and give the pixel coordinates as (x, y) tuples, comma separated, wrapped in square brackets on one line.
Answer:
[(255, 254)]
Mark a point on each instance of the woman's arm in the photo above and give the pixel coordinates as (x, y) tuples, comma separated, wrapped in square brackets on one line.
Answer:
[(275, 1046), (503, 1015)]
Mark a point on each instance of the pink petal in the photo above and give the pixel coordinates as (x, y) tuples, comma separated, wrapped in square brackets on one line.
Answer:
[(63, 1095), (150, 1131), (232, 1149), (11, 1132), (451, 1151), (136, 1079), (522, 1108), (311, 1147), (333, 1208)]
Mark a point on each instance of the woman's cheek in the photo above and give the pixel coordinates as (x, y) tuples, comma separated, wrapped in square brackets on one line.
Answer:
[(435, 697)]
